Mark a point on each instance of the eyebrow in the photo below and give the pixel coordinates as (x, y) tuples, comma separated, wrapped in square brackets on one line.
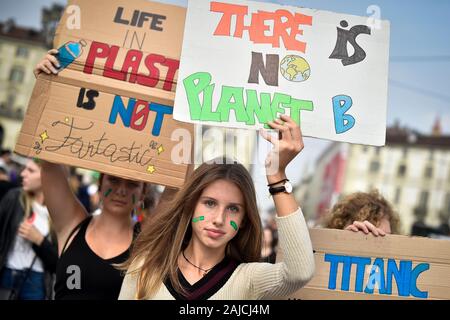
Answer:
[(231, 203)]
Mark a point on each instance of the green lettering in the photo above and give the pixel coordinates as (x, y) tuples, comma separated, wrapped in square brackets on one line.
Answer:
[(194, 85), (226, 104), (262, 111), (296, 105)]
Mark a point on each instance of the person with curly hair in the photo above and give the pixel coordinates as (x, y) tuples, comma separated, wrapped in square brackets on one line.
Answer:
[(366, 212)]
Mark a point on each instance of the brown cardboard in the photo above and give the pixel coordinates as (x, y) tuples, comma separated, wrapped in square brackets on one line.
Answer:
[(432, 252), (61, 101)]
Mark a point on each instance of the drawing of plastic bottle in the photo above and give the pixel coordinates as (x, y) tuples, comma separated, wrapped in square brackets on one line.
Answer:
[(68, 52)]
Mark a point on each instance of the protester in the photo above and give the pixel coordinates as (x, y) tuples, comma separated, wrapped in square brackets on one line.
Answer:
[(364, 212), (26, 247), (207, 243), (89, 246)]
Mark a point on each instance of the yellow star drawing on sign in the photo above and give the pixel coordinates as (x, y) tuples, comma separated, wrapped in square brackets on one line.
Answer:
[(44, 136), (160, 149), (151, 169)]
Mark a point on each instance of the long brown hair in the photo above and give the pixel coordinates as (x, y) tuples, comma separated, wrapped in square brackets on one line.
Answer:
[(360, 206), (154, 256)]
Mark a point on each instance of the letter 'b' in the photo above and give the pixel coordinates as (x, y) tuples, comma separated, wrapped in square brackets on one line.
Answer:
[(342, 121)]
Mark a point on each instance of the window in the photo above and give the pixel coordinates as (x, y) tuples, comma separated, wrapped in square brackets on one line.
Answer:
[(423, 201), (11, 101), (16, 75), (429, 172), (374, 166), (22, 52), (401, 170)]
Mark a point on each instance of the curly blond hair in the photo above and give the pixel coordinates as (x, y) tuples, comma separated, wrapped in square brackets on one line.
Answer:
[(360, 206)]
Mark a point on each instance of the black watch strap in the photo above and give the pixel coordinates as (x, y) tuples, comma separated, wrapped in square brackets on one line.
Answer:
[(275, 190)]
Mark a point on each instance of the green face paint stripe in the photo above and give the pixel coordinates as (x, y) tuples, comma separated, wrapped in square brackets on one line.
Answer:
[(133, 198), (234, 225), (197, 219), (108, 192)]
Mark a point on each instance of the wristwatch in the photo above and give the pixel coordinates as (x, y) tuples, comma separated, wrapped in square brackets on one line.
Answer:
[(287, 188)]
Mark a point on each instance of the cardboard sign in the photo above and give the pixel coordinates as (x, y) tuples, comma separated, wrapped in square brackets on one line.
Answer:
[(110, 107), (244, 63), (356, 266)]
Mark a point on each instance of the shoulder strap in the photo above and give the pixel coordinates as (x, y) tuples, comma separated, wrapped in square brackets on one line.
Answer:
[(71, 234)]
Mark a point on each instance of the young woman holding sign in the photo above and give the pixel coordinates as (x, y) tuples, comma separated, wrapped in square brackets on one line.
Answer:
[(89, 246), (207, 242)]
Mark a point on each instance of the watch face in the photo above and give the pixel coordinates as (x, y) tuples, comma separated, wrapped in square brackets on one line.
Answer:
[(288, 187)]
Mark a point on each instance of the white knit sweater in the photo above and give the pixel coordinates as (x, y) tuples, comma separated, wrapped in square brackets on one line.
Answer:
[(258, 280)]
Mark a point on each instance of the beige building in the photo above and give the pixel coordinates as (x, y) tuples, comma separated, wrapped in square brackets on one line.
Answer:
[(412, 171), (20, 50)]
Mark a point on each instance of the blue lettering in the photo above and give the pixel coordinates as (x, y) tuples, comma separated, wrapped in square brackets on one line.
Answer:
[(160, 110), (119, 108), (413, 284), (342, 121), (128, 114), (401, 275), (376, 277), (361, 267), (334, 261)]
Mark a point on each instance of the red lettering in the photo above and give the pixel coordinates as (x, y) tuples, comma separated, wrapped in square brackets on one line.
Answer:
[(286, 25), (97, 50), (132, 60), (152, 79), (139, 114), (229, 10), (109, 66), (129, 70), (173, 66), (258, 27)]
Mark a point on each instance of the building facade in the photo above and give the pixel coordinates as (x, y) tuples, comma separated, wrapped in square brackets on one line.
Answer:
[(20, 50), (412, 171)]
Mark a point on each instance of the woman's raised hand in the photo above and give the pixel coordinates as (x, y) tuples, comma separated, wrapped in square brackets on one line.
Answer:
[(285, 148), (48, 65)]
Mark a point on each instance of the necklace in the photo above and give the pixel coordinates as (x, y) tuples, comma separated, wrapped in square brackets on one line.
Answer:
[(205, 271)]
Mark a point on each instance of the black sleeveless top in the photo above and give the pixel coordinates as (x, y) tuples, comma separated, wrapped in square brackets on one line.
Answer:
[(82, 275)]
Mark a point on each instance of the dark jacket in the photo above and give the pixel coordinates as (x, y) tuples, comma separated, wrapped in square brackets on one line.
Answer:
[(11, 215)]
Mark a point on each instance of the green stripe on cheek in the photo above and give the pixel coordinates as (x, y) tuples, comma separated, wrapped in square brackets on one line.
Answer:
[(108, 192), (234, 225), (197, 219)]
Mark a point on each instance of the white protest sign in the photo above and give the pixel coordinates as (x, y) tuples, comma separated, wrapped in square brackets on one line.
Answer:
[(244, 63)]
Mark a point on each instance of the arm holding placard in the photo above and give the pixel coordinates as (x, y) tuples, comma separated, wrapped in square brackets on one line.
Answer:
[(275, 280)]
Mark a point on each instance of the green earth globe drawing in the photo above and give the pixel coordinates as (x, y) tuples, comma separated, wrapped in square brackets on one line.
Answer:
[(295, 68)]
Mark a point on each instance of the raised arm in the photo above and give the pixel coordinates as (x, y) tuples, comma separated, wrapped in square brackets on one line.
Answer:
[(65, 209), (297, 268)]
